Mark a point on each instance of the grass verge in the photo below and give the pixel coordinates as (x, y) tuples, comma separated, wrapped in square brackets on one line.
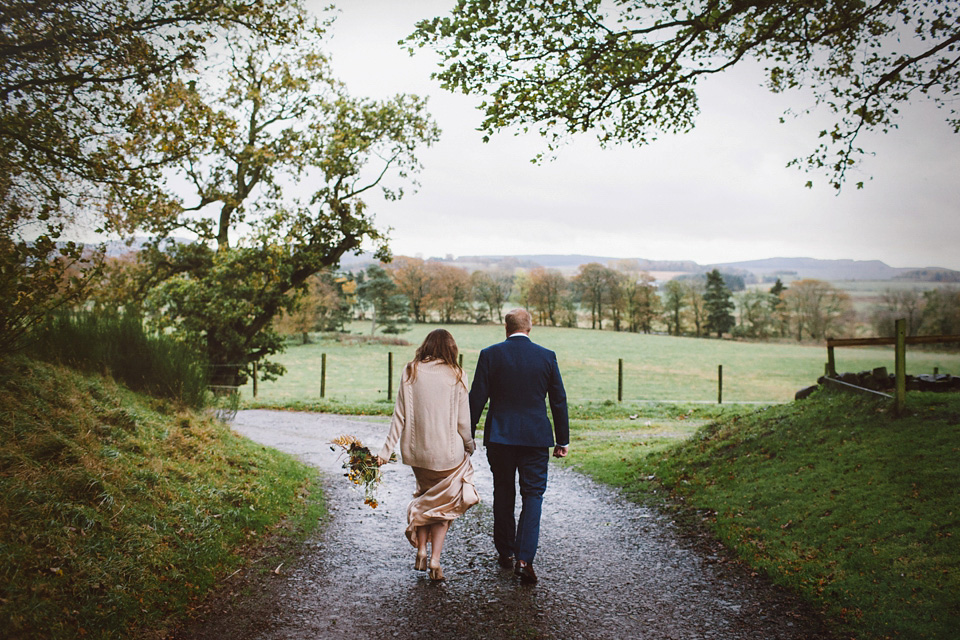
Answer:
[(834, 497), (588, 411), (118, 512), (341, 407)]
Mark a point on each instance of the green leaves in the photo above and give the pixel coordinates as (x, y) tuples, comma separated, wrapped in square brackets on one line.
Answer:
[(71, 75), (628, 71), (39, 277), (273, 159), (79, 134), (388, 307)]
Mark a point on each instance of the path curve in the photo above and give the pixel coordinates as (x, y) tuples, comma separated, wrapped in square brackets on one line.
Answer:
[(608, 568)]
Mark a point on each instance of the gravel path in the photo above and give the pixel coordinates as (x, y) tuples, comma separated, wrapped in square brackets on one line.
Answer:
[(608, 568)]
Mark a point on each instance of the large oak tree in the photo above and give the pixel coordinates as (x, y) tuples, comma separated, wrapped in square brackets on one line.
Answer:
[(72, 75), (280, 159)]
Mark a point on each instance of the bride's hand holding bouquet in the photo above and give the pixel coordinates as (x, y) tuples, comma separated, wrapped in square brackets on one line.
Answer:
[(363, 468)]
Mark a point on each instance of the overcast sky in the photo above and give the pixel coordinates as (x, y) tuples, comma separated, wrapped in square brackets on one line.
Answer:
[(721, 193)]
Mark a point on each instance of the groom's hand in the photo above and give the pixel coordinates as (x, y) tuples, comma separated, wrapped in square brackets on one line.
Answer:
[(560, 452)]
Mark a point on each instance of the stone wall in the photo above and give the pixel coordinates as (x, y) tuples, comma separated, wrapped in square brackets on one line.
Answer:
[(880, 380)]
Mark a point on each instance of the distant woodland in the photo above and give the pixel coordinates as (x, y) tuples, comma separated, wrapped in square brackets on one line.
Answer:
[(617, 296)]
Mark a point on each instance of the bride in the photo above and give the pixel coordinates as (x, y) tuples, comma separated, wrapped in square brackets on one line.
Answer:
[(431, 421)]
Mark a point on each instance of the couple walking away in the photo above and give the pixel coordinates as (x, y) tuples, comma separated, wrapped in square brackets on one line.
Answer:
[(435, 419)]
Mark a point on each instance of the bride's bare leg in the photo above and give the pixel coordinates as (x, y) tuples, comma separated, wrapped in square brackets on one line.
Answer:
[(438, 533), (423, 533)]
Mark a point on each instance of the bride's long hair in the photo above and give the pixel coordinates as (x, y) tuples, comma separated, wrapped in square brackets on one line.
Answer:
[(438, 345)]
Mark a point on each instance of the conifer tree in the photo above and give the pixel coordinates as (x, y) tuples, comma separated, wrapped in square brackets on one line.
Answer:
[(718, 301), (389, 307)]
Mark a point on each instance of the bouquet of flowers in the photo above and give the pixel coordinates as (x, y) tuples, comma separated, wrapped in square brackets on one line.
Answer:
[(361, 465)]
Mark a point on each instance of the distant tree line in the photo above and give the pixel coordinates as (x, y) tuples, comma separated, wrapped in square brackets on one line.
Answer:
[(616, 297)]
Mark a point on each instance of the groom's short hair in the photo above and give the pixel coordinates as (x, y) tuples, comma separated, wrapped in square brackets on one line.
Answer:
[(518, 320)]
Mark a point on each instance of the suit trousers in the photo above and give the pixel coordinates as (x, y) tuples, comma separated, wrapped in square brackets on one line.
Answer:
[(510, 536)]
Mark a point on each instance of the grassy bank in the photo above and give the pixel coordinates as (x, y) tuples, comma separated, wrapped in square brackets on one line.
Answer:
[(834, 497), (119, 511)]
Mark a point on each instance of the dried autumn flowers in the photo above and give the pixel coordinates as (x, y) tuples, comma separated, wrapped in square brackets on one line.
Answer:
[(361, 465)]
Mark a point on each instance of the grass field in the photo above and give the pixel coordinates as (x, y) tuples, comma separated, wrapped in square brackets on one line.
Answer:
[(656, 368), (833, 497)]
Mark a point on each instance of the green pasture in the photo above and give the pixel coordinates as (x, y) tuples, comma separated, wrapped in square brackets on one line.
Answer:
[(656, 368), (834, 497)]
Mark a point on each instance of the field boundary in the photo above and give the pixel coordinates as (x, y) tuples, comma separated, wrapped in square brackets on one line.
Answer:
[(900, 341)]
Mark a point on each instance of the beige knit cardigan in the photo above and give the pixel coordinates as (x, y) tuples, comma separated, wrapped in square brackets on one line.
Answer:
[(431, 418)]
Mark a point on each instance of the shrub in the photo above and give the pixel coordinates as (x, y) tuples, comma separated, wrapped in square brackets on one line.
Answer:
[(119, 345)]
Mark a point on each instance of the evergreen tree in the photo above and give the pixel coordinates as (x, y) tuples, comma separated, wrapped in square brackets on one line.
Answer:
[(778, 310), (777, 288), (377, 289), (718, 301)]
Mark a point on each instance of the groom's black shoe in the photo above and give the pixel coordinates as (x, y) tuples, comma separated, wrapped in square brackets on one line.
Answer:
[(525, 572), (505, 561)]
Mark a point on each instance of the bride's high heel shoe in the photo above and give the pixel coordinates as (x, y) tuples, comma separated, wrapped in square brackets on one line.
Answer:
[(436, 572), (421, 564)]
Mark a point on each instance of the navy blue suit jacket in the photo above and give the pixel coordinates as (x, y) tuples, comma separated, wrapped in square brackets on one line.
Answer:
[(516, 376)]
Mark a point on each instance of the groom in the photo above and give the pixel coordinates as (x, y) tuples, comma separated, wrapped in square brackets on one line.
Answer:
[(516, 376)]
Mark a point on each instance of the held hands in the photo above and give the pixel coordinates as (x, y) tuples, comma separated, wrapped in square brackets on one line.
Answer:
[(560, 452)]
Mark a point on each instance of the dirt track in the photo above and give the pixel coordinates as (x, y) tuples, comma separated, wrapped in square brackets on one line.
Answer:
[(608, 568)]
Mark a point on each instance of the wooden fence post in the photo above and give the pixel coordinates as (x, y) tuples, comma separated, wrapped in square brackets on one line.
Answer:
[(461, 360), (323, 375), (719, 384), (620, 380), (901, 366), (390, 376), (831, 362), (254, 379)]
